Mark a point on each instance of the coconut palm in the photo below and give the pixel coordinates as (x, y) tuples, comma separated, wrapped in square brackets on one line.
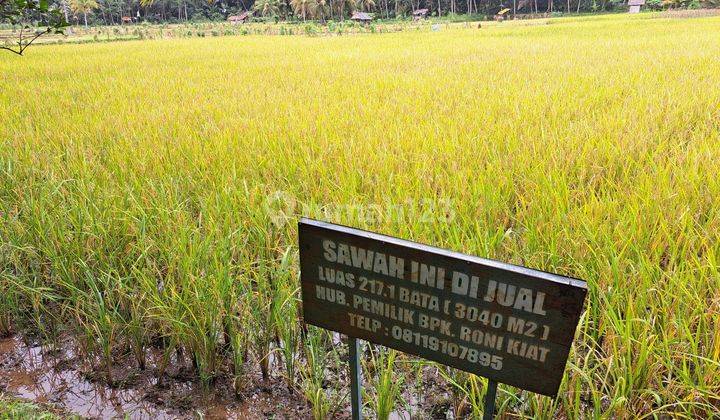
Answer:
[(364, 5), (267, 8), (84, 7), (321, 9), (304, 8)]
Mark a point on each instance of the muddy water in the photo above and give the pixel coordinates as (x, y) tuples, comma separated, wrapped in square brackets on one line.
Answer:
[(62, 378), (55, 376), (30, 373)]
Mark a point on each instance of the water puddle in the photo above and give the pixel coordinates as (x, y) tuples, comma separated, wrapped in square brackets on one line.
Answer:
[(54, 376), (62, 378), (29, 373)]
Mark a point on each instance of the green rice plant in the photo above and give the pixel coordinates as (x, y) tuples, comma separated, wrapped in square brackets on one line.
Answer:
[(289, 334), (134, 313), (6, 305), (387, 386), (98, 315), (8, 302), (313, 374), (239, 344), (475, 394), (464, 389), (284, 313), (261, 317), (41, 319)]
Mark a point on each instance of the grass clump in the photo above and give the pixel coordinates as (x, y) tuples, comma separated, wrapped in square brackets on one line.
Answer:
[(12, 409)]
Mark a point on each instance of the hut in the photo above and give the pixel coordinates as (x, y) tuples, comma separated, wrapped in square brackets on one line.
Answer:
[(420, 14), (635, 5), (362, 17), (501, 15), (239, 19)]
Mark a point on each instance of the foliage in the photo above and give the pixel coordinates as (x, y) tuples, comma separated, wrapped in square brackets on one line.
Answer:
[(268, 8), (11, 408), (34, 18), (119, 12), (387, 386), (304, 8), (364, 5), (84, 7)]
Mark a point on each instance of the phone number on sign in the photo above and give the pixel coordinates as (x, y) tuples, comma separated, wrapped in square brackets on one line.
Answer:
[(451, 349)]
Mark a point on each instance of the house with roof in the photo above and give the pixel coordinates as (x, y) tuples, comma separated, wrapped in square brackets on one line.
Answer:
[(362, 17), (239, 19)]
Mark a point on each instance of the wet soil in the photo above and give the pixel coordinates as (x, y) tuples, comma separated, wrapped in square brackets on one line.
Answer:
[(58, 377)]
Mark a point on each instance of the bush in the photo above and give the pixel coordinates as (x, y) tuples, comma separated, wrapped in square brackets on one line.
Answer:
[(310, 30)]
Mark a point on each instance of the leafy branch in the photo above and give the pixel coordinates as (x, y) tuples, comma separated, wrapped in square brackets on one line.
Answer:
[(35, 18)]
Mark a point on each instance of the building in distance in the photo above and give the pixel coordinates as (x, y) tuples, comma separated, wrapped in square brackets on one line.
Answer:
[(362, 17), (420, 14), (635, 5), (239, 19)]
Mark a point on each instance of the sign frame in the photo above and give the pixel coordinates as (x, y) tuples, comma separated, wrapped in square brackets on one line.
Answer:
[(563, 296)]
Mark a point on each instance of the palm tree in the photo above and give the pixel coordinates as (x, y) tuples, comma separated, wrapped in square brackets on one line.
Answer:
[(340, 6), (304, 8), (365, 5), (321, 9), (84, 7), (267, 7)]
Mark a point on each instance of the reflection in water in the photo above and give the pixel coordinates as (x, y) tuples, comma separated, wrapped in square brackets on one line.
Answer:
[(29, 373), (49, 375)]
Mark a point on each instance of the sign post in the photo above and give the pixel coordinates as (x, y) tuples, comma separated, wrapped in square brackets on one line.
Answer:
[(510, 324), (489, 406), (355, 378)]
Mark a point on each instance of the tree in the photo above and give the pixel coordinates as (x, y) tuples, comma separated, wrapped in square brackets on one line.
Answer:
[(365, 5), (304, 8), (321, 9), (340, 6), (267, 8), (35, 19), (84, 7), (112, 12)]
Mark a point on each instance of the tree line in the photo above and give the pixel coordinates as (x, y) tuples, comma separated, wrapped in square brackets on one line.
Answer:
[(116, 12)]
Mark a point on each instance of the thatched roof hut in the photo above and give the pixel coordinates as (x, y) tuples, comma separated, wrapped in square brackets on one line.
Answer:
[(237, 19), (361, 17), (420, 14)]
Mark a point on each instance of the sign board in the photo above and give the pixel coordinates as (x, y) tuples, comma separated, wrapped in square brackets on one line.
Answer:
[(508, 323)]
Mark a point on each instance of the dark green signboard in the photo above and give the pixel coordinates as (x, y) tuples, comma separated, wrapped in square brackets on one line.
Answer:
[(508, 323)]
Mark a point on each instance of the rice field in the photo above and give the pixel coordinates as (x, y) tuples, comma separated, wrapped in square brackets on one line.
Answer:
[(149, 194)]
